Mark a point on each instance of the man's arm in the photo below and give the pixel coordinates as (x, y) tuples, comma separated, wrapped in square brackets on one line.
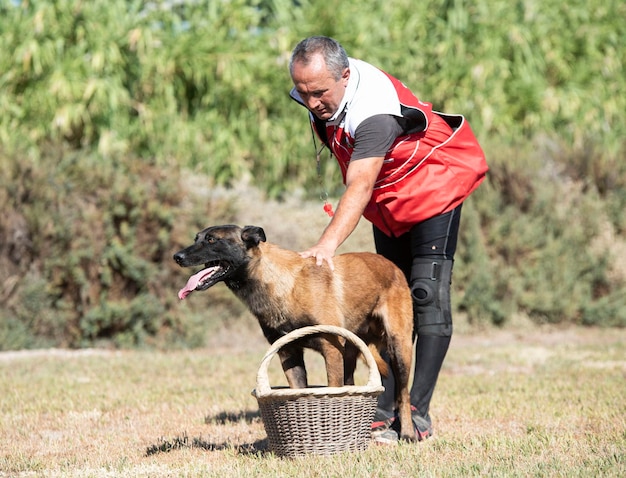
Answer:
[(360, 179), (373, 138)]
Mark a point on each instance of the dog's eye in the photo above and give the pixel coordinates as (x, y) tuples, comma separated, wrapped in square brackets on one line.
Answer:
[(210, 240)]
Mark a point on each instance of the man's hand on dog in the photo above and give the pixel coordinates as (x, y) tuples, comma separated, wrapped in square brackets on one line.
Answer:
[(321, 253)]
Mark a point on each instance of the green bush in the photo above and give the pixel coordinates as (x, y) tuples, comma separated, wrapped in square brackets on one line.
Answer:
[(204, 84)]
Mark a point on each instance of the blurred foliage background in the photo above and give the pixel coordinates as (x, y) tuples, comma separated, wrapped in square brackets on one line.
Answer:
[(114, 111)]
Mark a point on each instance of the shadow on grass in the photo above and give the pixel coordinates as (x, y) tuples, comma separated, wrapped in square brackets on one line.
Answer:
[(259, 447), (225, 418), (163, 445)]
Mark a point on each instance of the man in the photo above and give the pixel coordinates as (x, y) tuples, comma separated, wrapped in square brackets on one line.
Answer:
[(407, 169)]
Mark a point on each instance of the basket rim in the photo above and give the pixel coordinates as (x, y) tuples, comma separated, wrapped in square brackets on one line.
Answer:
[(323, 391), (263, 388)]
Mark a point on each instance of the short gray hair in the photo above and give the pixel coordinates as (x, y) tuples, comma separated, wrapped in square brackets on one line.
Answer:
[(334, 55)]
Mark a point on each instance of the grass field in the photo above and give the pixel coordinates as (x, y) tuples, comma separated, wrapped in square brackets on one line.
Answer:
[(530, 402)]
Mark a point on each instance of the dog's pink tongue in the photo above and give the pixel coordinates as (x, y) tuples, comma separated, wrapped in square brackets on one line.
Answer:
[(191, 285)]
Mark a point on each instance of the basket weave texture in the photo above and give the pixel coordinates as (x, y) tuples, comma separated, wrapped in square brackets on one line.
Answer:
[(317, 420)]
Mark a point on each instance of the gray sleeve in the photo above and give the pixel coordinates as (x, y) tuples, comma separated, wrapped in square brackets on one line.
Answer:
[(374, 136)]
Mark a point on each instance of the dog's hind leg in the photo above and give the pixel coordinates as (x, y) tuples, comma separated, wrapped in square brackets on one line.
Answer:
[(351, 354), (400, 352), (292, 361)]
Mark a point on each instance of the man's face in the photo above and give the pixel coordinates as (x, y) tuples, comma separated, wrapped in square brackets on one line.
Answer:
[(321, 93)]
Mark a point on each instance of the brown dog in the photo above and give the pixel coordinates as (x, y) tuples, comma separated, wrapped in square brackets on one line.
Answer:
[(366, 294)]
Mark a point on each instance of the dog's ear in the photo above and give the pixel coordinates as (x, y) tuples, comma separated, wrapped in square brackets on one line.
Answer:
[(252, 235)]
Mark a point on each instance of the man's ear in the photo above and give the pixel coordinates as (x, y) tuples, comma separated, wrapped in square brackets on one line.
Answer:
[(252, 236), (345, 76)]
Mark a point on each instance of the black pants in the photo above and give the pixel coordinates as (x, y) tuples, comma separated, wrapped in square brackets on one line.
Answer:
[(435, 238)]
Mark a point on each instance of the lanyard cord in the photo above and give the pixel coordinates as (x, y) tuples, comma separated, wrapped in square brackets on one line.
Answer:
[(328, 208)]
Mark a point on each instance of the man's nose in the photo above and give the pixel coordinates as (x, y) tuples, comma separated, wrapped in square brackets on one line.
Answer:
[(312, 103)]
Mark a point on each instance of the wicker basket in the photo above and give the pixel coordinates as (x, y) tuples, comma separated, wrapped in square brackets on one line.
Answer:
[(317, 420)]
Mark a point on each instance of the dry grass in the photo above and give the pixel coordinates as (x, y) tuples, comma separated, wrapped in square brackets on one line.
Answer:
[(527, 403)]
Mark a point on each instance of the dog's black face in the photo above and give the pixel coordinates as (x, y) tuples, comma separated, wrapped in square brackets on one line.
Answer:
[(223, 250)]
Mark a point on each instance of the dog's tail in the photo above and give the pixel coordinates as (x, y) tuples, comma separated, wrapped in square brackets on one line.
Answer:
[(383, 368)]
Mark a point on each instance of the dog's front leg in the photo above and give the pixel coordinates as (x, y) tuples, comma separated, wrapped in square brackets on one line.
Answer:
[(292, 361), (332, 349)]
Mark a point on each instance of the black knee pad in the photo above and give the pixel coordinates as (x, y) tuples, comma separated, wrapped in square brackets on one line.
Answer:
[(430, 289)]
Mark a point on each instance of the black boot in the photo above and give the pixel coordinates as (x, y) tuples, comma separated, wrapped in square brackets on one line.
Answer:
[(430, 352)]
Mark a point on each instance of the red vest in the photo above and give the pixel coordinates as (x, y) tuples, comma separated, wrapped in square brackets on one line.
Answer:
[(424, 174)]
